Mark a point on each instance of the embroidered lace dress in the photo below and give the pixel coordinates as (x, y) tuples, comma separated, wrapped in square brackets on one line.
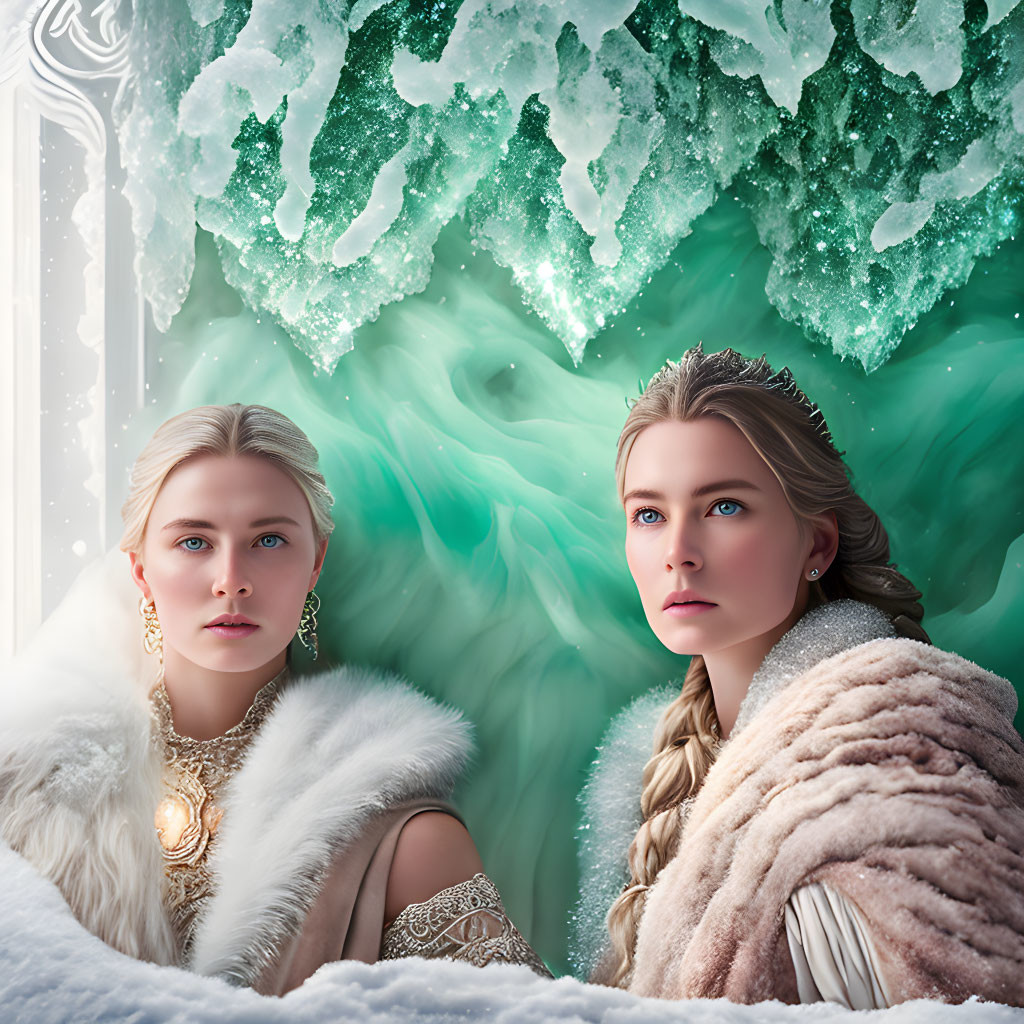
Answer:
[(464, 922), (189, 814)]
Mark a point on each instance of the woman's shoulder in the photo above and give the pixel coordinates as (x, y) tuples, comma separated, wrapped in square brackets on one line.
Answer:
[(899, 656), (845, 645), (74, 707), (355, 726), (86, 659), (354, 704), (916, 676), (365, 690), (887, 711)]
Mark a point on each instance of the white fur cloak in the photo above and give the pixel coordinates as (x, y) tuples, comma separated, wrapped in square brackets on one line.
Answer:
[(884, 767), (79, 784)]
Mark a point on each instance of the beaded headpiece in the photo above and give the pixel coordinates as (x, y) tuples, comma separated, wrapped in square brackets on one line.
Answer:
[(730, 369)]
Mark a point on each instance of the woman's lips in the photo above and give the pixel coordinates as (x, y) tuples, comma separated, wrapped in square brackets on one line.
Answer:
[(242, 629), (685, 610)]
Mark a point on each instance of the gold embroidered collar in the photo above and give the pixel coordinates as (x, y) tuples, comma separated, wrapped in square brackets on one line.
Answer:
[(189, 813)]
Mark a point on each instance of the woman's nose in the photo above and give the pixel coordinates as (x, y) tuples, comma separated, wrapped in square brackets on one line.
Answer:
[(682, 552), (231, 579)]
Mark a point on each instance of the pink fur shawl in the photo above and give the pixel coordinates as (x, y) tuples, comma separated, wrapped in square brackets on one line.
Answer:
[(891, 771)]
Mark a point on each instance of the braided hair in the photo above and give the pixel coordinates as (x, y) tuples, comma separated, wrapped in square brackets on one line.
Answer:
[(789, 432)]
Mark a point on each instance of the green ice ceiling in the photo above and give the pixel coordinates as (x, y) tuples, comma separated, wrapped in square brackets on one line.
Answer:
[(876, 145), (447, 239)]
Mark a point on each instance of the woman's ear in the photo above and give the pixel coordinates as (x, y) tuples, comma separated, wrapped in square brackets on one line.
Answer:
[(139, 575), (824, 544), (318, 564)]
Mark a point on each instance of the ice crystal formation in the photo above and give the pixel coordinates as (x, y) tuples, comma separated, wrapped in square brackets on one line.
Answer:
[(878, 145)]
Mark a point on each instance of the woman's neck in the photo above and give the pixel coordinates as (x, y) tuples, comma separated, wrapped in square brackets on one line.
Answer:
[(731, 670), (206, 703)]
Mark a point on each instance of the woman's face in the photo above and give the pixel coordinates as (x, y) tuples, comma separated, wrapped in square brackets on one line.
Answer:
[(228, 557), (717, 554)]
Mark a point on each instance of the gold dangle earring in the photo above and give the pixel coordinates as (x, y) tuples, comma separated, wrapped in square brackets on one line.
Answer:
[(152, 636), (307, 625)]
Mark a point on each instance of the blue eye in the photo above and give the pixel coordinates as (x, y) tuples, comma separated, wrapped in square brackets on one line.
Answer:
[(725, 508), (271, 541), (193, 544), (647, 516)]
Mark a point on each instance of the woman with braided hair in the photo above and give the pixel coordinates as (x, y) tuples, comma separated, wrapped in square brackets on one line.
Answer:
[(834, 808)]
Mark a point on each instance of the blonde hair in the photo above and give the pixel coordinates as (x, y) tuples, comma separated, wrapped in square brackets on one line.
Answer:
[(224, 430), (789, 432)]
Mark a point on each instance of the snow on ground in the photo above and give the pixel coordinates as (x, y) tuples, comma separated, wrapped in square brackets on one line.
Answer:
[(52, 971)]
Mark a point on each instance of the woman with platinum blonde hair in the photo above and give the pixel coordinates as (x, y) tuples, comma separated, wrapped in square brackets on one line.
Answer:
[(206, 807), (832, 807)]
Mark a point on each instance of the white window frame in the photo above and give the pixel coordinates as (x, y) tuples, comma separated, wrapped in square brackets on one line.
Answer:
[(72, 320)]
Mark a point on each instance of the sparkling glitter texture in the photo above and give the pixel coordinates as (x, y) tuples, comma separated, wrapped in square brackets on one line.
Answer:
[(611, 816), (325, 146)]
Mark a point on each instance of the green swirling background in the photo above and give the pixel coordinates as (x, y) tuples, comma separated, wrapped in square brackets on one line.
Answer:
[(478, 548)]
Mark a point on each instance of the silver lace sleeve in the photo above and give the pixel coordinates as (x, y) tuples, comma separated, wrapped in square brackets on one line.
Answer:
[(464, 922)]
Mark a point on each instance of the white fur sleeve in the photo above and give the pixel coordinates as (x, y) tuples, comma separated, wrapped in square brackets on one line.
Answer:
[(611, 816), (832, 952)]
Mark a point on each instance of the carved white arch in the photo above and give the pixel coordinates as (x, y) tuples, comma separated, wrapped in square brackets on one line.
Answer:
[(72, 327)]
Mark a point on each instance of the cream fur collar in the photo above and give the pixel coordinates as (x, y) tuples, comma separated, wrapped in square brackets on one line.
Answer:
[(338, 748), (79, 782), (611, 796)]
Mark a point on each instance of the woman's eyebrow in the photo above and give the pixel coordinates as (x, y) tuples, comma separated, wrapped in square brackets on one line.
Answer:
[(202, 524), (188, 524), (719, 485), (725, 485), (643, 495)]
